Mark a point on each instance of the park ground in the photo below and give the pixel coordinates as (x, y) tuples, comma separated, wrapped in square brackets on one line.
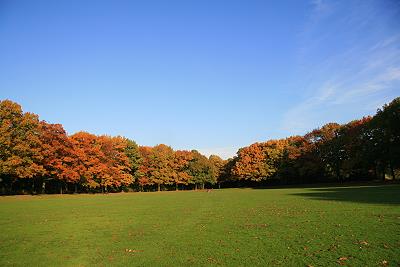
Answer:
[(326, 226)]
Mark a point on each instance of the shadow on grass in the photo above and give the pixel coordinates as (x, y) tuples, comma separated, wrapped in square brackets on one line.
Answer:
[(389, 194)]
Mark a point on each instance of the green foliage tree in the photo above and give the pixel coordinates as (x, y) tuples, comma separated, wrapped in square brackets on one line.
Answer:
[(217, 165), (201, 170), (133, 154), (162, 158), (385, 128)]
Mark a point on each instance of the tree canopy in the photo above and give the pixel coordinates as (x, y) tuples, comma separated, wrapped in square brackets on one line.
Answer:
[(36, 156)]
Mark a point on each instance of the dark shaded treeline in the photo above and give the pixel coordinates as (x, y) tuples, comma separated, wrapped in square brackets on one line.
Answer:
[(38, 157), (365, 149)]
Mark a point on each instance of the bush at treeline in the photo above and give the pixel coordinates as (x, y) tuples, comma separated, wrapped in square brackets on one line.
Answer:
[(38, 157)]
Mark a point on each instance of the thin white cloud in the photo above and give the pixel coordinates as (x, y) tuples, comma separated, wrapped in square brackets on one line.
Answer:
[(375, 84), (320, 6), (347, 74)]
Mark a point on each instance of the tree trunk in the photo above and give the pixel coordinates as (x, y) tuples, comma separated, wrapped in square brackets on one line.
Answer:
[(176, 186), (195, 187), (392, 171), (33, 186), (219, 185), (61, 189), (11, 186), (158, 187), (202, 186), (384, 172), (76, 188), (337, 170)]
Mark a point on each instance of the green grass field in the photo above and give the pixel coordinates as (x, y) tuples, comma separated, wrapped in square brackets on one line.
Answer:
[(354, 226)]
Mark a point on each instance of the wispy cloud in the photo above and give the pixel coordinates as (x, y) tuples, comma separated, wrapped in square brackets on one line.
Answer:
[(351, 64), (320, 7), (379, 82)]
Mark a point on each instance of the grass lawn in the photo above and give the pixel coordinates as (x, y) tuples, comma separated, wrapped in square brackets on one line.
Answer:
[(355, 226)]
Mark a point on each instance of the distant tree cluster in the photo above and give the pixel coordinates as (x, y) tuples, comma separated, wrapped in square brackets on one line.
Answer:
[(363, 149), (39, 157)]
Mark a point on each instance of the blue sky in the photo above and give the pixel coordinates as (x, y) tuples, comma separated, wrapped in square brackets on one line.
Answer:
[(209, 75)]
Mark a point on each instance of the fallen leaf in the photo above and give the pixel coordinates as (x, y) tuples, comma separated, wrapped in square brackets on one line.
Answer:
[(341, 260), (133, 250)]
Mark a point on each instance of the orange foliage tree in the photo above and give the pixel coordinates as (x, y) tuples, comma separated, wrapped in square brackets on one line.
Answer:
[(162, 165), (181, 168), (145, 167), (58, 155), (34, 153), (114, 163), (20, 145), (87, 155), (102, 161)]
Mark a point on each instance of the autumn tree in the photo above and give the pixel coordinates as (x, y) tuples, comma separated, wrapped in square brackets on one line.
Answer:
[(162, 165), (217, 167), (58, 156), (259, 161), (158, 166), (114, 167), (292, 160), (181, 162), (20, 145), (201, 170), (35, 153), (88, 154), (251, 163), (145, 167)]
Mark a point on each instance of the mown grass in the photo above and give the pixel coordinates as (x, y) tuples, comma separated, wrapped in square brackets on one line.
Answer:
[(355, 226)]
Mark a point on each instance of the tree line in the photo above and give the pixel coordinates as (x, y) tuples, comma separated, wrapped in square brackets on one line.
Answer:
[(39, 157), (364, 149)]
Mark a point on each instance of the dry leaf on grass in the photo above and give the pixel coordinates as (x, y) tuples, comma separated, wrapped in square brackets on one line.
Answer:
[(342, 260), (133, 250)]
